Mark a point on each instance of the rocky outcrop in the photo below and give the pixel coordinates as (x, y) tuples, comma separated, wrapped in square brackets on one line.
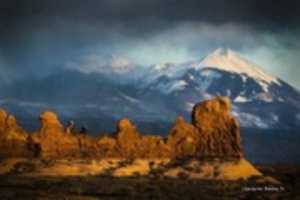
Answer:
[(218, 128), (3, 116), (87, 146), (53, 142), (153, 147), (131, 144), (8, 123), (128, 138), (107, 147), (207, 148), (214, 132), (183, 138), (13, 139)]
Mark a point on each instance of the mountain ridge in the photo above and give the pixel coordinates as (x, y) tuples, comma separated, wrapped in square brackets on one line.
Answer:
[(163, 92)]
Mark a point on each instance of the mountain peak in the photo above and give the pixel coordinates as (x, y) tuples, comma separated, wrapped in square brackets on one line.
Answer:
[(229, 60)]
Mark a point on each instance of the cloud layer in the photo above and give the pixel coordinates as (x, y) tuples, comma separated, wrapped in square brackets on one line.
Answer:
[(41, 37)]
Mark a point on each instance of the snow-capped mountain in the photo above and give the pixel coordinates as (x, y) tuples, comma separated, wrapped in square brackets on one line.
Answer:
[(259, 99), (117, 68), (220, 59), (155, 95)]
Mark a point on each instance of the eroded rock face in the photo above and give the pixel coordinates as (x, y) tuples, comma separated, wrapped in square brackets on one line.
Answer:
[(153, 147), (220, 130), (52, 139), (3, 116), (13, 139), (131, 144), (50, 123), (107, 147), (211, 114), (87, 146), (214, 132), (183, 138), (128, 138)]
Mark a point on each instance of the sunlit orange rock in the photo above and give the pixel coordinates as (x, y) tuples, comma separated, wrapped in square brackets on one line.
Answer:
[(214, 132), (3, 116), (13, 139), (88, 147), (219, 130), (153, 147), (53, 141), (128, 138), (107, 147), (183, 138)]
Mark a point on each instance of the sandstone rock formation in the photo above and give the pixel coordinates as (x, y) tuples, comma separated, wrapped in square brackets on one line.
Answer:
[(87, 146), (214, 132), (13, 139), (128, 138), (183, 138), (153, 147), (3, 116), (53, 142), (207, 148), (131, 144), (107, 147)]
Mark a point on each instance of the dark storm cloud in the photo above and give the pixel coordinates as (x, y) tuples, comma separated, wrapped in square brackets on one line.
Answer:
[(255, 12), (40, 36), (145, 16)]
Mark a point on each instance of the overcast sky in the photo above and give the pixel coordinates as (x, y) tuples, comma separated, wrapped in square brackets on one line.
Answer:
[(40, 37)]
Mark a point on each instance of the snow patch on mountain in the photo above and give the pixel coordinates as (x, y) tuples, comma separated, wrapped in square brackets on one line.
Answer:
[(250, 120), (177, 85), (208, 67), (169, 70), (266, 97), (228, 60), (130, 99), (172, 86), (244, 78), (240, 99), (206, 78)]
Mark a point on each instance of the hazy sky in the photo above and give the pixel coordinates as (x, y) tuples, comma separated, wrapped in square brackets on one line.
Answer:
[(40, 37)]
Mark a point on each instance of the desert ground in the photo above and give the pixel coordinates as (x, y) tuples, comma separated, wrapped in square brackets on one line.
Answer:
[(22, 180), (203, 159)]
